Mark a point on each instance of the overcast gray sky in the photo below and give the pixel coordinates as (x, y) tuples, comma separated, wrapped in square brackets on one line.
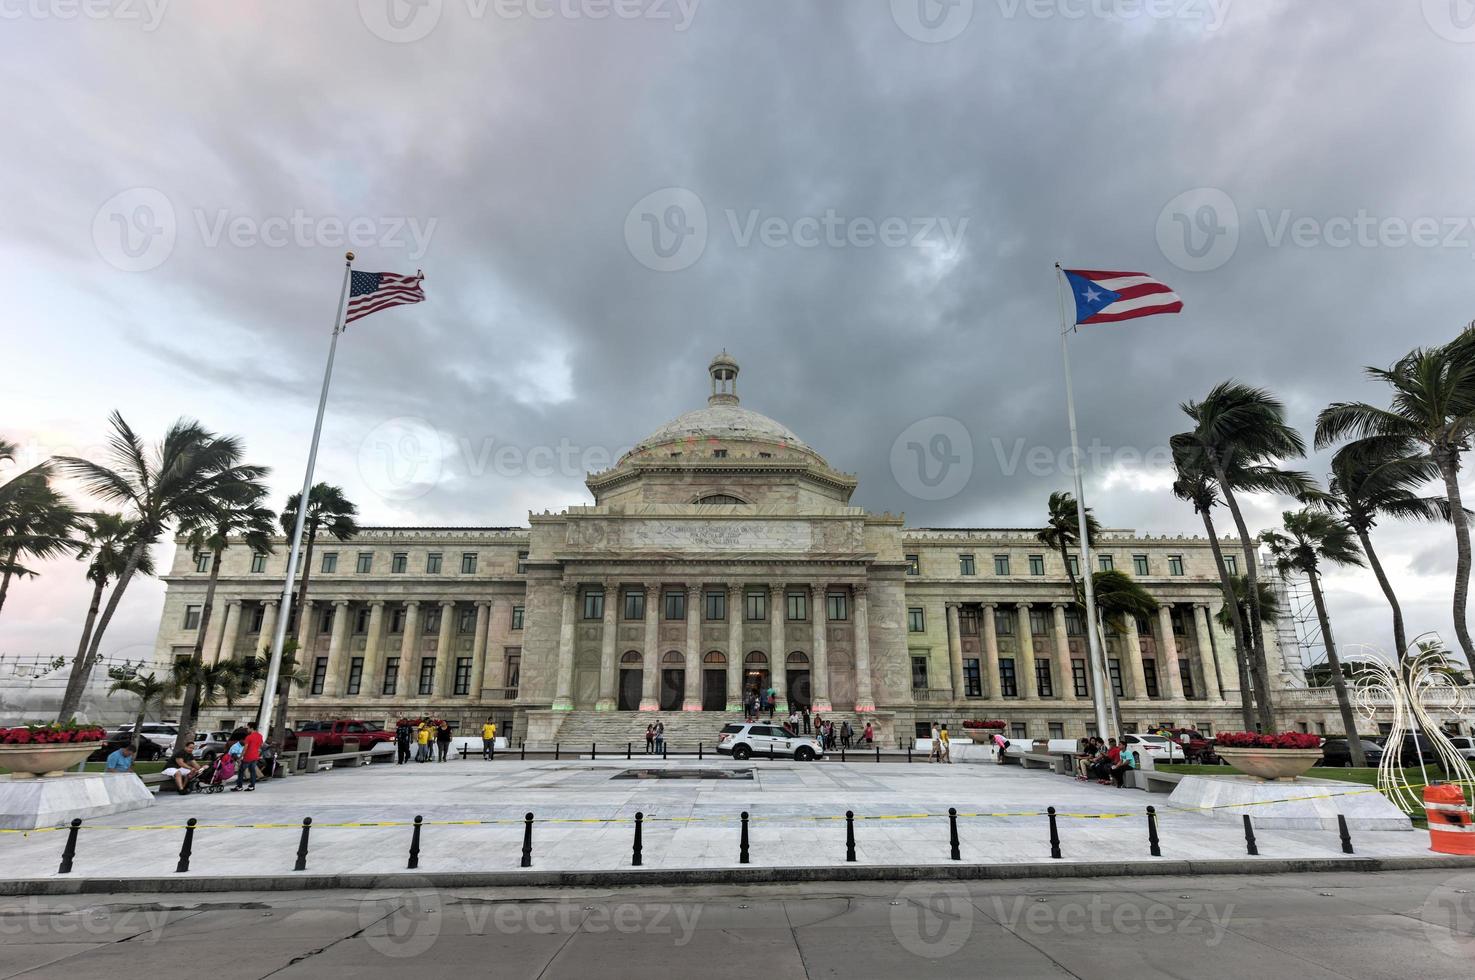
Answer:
[(861, 200)]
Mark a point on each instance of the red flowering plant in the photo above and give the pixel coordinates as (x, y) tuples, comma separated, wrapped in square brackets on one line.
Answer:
[(1255, 740), (51, 734), (991, 723)]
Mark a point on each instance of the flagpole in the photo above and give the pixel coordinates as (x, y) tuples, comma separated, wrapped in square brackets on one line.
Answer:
[(1098, 689), (274, 669)]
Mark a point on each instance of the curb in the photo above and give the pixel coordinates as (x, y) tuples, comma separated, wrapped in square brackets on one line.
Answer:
[(629, 877)]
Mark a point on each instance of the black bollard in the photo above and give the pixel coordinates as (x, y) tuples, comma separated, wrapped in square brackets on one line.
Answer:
[(635, 857), (1345, 834), (70, 851), (743, 841), (663, 751), (909, 753), (1152, 842), (628, 748), (415, 843), (878, 753), (849, 835), (699, 750), (952, 819), (1054, 833), (301, 864), (1250, 847), (187, 846), (842, 753), (522, 752), (527, 840), (593, 750), (556, 747)]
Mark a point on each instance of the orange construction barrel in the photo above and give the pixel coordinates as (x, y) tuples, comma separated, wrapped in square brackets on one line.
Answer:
[(1450, 829)]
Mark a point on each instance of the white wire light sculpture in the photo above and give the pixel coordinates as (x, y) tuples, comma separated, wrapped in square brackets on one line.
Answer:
[(1426, 683)]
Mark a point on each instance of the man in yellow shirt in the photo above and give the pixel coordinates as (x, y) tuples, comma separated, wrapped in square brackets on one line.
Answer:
[(947, 745), (422, 736), (489, 739)]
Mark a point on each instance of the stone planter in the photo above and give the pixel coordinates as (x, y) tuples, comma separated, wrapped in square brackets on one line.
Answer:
[(983, 736), (30, 761), (1282, 764)]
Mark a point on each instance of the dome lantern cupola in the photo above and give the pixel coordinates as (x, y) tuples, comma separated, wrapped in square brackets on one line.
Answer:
[(724, 372)]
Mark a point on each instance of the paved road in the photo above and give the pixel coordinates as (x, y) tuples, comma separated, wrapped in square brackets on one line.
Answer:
[(1395, 925)]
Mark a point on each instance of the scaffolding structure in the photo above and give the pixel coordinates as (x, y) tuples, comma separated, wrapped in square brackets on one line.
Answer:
[(1297, 629)]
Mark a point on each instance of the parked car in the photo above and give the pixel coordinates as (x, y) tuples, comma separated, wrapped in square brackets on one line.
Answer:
[(1464, 745), (328, 736), (1336, 753), (1412, 748), (161, 733), (1159, 747), (742, 741), (1197, 747), (147, 750), (210, 744)]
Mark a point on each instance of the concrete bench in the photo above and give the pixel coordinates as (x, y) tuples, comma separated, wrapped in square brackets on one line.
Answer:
[(317, 763), (1153, 781)]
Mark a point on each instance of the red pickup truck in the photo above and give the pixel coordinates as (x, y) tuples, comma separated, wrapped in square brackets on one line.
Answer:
[(328, 736)]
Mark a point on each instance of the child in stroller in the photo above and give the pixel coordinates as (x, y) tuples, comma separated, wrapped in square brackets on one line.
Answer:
[(213, 777)]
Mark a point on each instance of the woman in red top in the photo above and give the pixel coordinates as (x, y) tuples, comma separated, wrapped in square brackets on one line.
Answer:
[(250, 759)]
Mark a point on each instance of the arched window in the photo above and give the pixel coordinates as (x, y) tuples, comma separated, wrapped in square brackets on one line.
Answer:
[(797, 659), (757, 659), (631, 657), (720, 498), (673, 658), (715, 657)]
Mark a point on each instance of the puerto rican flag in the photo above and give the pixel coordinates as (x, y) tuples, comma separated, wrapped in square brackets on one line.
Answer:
[(1105, 297)]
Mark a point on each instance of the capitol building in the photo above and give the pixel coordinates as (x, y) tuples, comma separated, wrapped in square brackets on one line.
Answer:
[(720, 555)]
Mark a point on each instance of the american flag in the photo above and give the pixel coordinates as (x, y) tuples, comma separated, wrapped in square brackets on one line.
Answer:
[(370, 292), (1105, 297)]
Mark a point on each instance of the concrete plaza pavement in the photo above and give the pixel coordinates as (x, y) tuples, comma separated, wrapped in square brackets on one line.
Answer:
[(584, 812)]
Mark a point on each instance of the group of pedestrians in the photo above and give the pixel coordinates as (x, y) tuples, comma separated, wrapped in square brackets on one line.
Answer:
[(942, 745), (655, 738), (1106, 762), (756, 702), (829, 735), (243, 756), (429, 737)]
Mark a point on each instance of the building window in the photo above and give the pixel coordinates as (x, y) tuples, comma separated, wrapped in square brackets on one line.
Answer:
[(427, 675), (514, 669), (463, 676), (1074, 564), (355, 674), (468, 563), (916, 620), (399, 563), (466, 620), (361, 620), (1175, 564), (202, 561), (1106, 563), (675, 603), (433, 563), (972, 679), (914, 565), (715, 606), (1008, 683), (1205, 729), (798, 606), (1185, 671), (1114, 668), (301, 556), (1004, 622), (191, 617), (1149, 677), (1144, 626), (319, 674), (366, 562), (397, 620), (258, 616), (593, 604), (1139, 565), (330, 562), (755, 606), (719, 454), (1075, 624), (1037, 565), (1018, 729), (1078, 678), (1043, 682), (522, 562), (258, 563), (431, 623), (919, 673), (1039, 622), (968, 620), (1231, 565), (837, 606), (1175, 615), (517, 617), (1056, 729), (325, 620), (1001, 564), (635, 604), (391, 675), (966, 566)]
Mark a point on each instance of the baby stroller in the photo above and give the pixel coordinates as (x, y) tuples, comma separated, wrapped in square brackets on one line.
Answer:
[(212, 778)]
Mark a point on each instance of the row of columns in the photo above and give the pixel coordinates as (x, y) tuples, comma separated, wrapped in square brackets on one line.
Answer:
[(1170, 681)]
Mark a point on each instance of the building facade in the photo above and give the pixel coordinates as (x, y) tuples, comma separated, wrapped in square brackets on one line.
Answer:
[(720, 555)]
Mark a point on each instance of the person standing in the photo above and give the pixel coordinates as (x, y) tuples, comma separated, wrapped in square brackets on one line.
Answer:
[(650, 739), (660, 737), (489, 739), (869, 735), (934, 751), (947, 745), (402, 735), (250, 757), (442, 739), (806, 719), (422, 738)]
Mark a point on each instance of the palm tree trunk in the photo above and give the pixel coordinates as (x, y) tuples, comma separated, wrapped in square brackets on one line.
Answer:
[(309, 533), (92, 608), (143, 707), (77, 682), (1231, 603), (1339, 683), (1449, 465), (10, 561), (1259, 663), (1400, 640)]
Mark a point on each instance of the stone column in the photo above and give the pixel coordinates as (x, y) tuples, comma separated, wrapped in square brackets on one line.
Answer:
[(955, 650), (607, 639), (1213, 688), (210, 646), (778, 652), (563, 699), (693, 699), (1133, 656), (734, 648), (306, 632), (409, 650), (1167, 655), (991, 686), (1024, 666), (864, 700), (333, 682), (370, 683), (650, 677), (479, 647), (819, 670), (445, 649), (1064, 679), (268, 632), (229, 630)]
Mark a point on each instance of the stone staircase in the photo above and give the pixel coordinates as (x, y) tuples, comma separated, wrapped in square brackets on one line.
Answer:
[(610, 730)]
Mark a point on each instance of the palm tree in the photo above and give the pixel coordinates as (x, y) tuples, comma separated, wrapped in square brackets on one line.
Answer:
[(149, 690), (1118, 596), (1235, 616), (327, 510), (1240, 435), (107, 539), (36, 522), (289, 675), (1062, 531), (181, 480), (1313, 537), (200, 685), (1433, 408), (1376, 476), (240, 518)]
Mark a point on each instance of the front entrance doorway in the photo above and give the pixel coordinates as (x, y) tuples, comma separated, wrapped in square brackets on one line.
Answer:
[(755, 677), (673, 681), (632, 675), (714, 682), (800, 695)]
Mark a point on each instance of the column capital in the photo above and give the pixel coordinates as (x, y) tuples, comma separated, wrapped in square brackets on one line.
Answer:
[(735, 588), (568, 588), (778, 589), (376, 603), (652, 591), (412, 603), (1023, 605), (989, 605), (1059, 605), (485, 603), (952, 605), (694, 591), (446, 603), (342, 602), (270, 603), (860, 588)]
